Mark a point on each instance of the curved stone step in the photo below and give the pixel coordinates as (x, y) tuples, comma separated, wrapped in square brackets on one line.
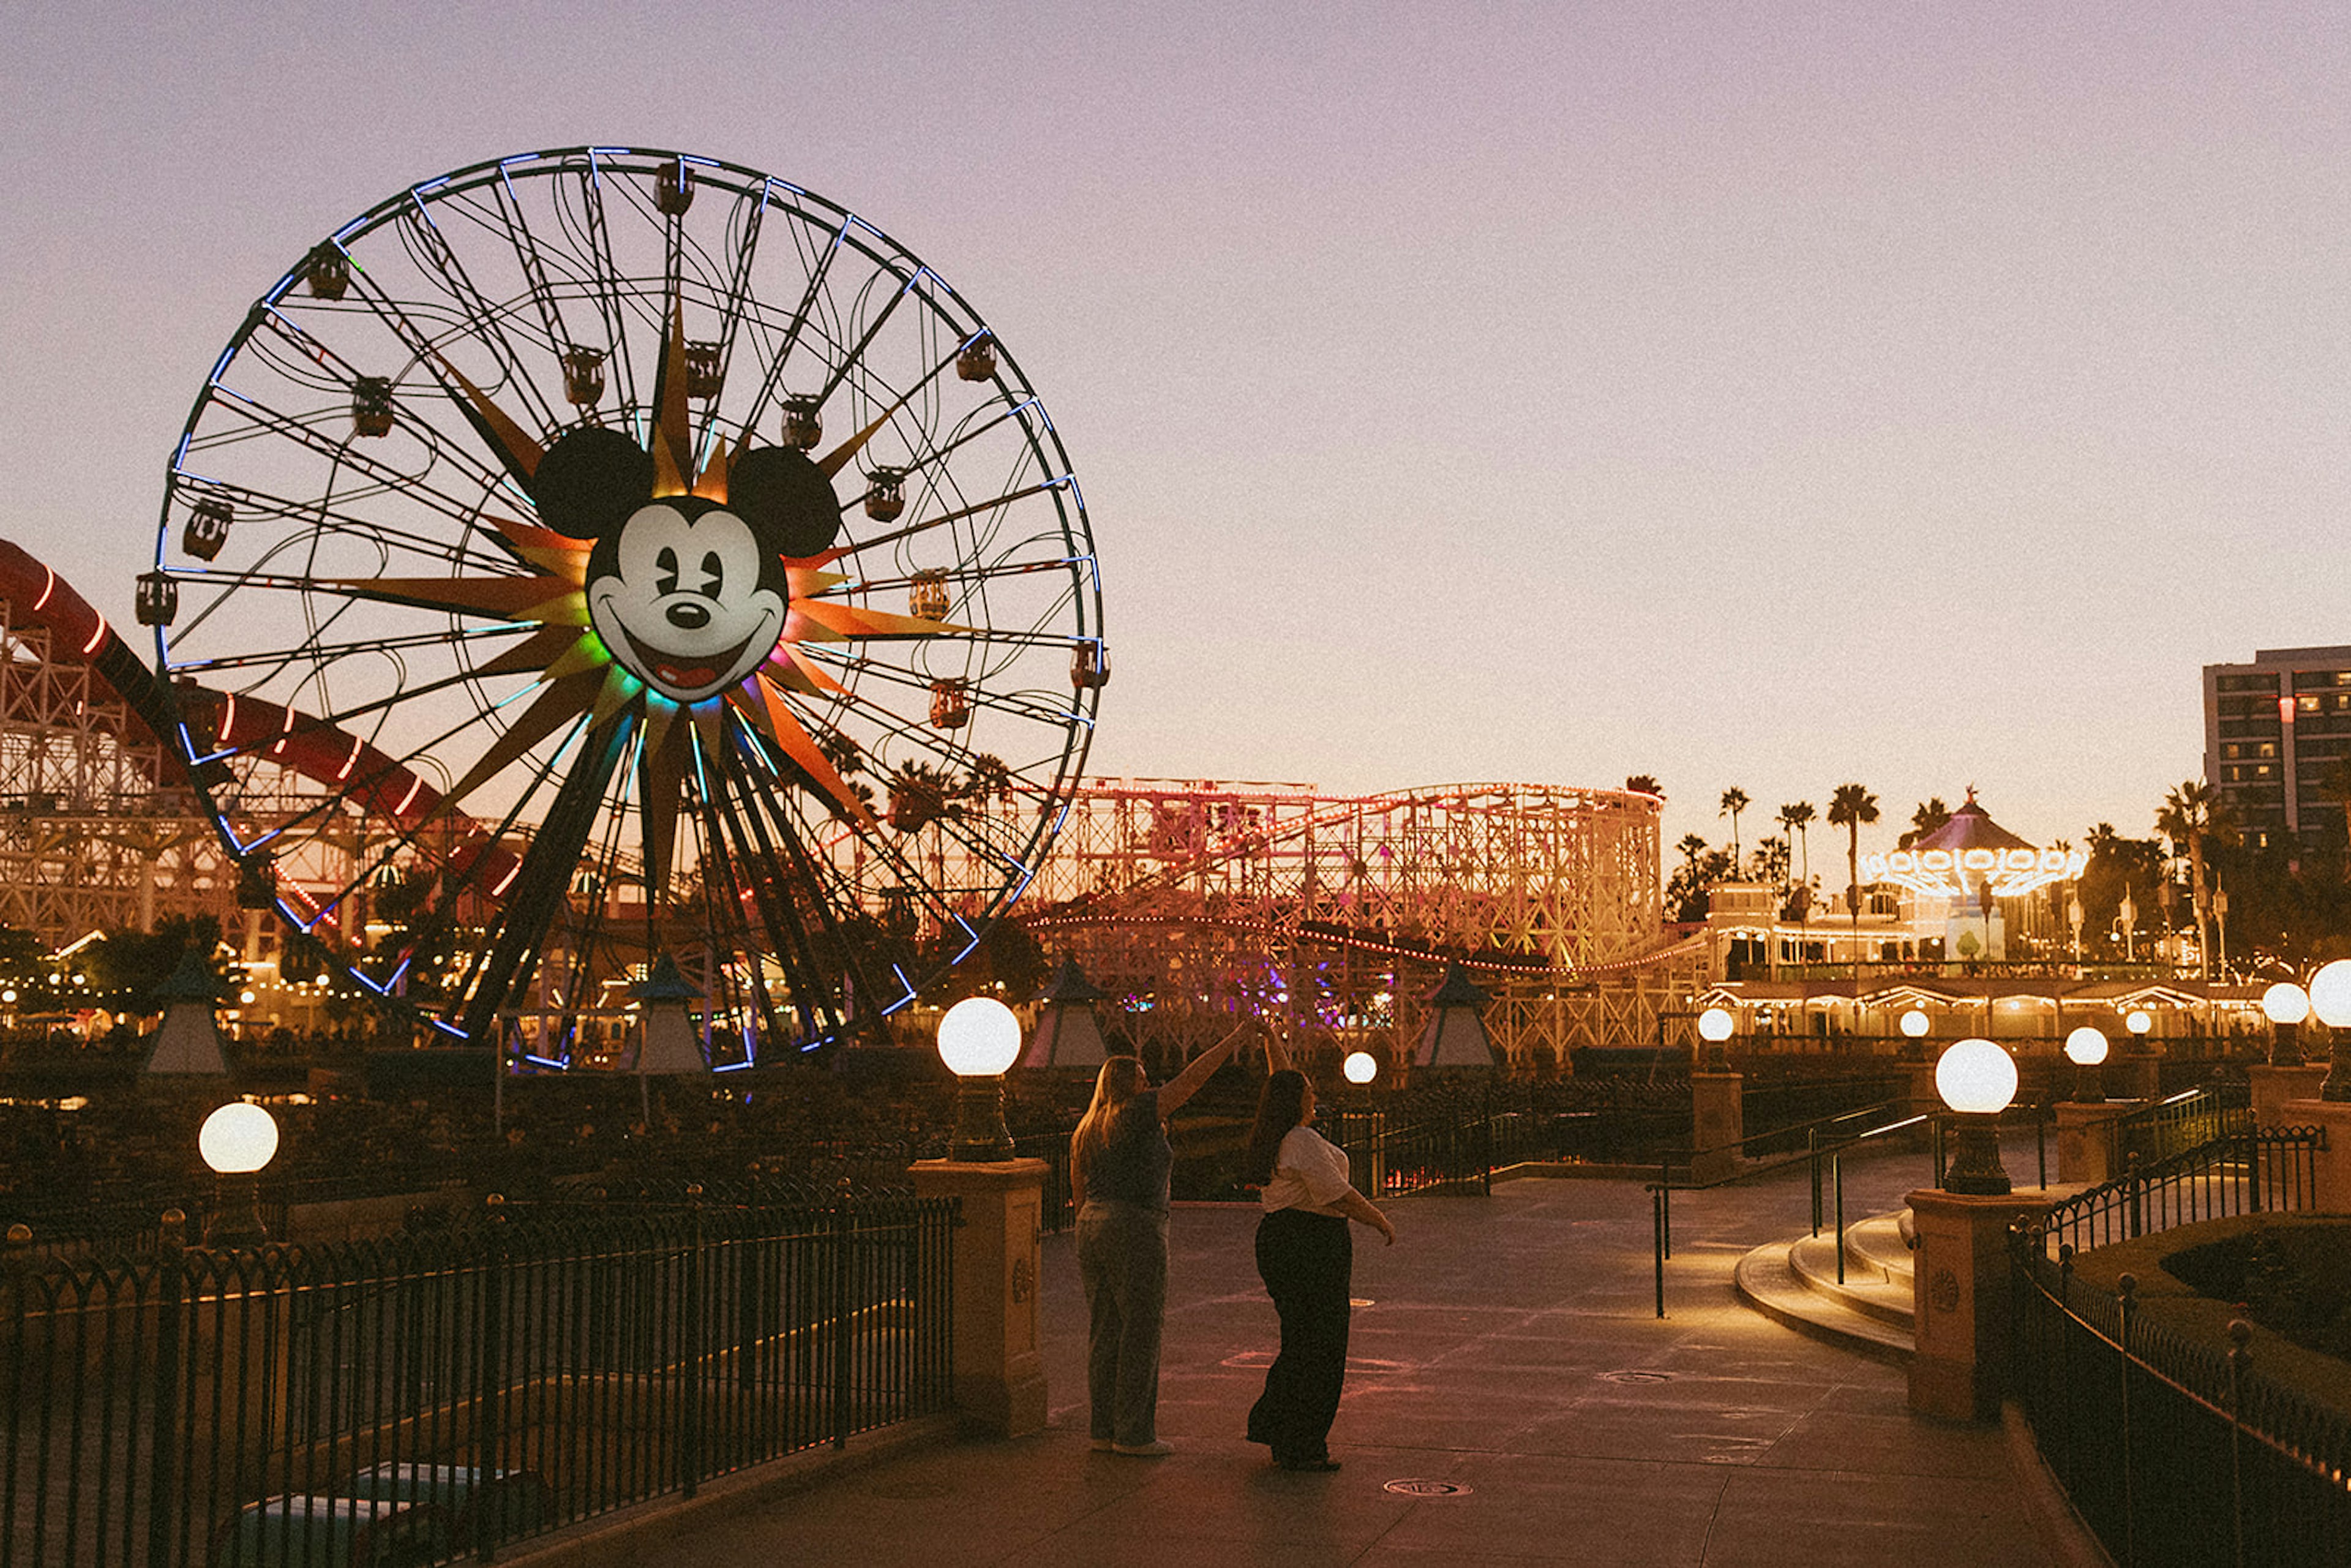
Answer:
[(1767, 1279), (1865, 1289)]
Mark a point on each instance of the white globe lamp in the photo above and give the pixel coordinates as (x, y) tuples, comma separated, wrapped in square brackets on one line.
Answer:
[(979, 1040), (2330, 998), (1977, 1080), (2285, 1005), (1715, 1026), (237, 1141), (2086, 1048)]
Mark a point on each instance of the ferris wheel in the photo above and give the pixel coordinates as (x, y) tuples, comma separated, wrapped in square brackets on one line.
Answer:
[(639, 556)]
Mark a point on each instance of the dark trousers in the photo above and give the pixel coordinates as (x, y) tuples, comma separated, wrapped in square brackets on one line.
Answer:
[(1122, 1262), (1306, 1261)]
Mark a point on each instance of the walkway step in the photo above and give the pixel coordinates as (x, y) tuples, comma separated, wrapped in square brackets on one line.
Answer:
[(1796, 1282), (1772, 1287), (1864, 1288)]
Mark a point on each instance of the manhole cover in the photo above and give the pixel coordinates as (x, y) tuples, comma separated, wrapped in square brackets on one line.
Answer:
[(1427, 1489), (1637, 1377)]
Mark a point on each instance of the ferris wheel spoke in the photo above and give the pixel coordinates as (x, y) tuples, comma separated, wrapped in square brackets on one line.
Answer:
[(604, 276), (766, 840), (346, 454), (545, 878), (486, 319), (323, 652), (771, 384), (725, 890), (857, 547), (515, 221), (324, 518), (840, 457), (992, 572), (733, 303)]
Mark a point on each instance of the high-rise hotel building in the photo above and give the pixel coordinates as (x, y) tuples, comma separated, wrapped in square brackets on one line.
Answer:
[(2273, 729)]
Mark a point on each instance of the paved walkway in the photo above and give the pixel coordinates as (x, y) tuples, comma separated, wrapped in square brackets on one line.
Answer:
[(1506, 1347)]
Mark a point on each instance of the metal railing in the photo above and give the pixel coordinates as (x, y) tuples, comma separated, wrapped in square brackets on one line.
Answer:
[(2175, 1450), (2240, 1172), (1825, 1142), (2187, 1120), (439, 1393)]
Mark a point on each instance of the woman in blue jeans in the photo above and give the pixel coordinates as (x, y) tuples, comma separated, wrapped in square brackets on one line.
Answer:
[(1305, 1255), (1119, 1161)]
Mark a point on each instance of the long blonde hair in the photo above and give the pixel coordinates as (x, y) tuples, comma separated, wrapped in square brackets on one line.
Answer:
[(1121, 1080)]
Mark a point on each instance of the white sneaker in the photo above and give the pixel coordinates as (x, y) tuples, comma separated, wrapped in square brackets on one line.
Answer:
[(1143, 1450)]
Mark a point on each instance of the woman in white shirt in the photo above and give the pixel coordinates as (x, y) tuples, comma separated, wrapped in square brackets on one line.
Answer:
[(1305, 1255)]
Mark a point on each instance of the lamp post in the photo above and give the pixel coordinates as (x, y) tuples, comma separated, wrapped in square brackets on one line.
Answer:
[(2086, 1048), (1714, 1027), (1914, 1030), (1976, 1080), (2075, 915), (2126, 916), (2330, 998), (237, 1141), (2285, 1005), (1360, 1068), (979, 1038)]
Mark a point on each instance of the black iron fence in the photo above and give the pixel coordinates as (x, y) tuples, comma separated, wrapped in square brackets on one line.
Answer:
[(419, 1398), (2177, 1449), (2187, 1120), (2241, 1172)]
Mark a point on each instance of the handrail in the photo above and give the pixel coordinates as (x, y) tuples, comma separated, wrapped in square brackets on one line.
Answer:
[(2242, 1171), (1661, 1190), (2282, 1456), (1692, 1155)]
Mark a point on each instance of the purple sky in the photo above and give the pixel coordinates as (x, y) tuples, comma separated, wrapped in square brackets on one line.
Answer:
[(1768, 395)]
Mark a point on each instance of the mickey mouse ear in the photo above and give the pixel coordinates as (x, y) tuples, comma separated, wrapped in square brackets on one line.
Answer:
[(779, 491), (591, 482)]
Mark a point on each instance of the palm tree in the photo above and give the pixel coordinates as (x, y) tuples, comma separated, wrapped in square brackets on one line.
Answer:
[(1734, 800), (2193, 814), (1796, 818), (1691, 846), (1850, 807), (1643, 784), (1931, 814)]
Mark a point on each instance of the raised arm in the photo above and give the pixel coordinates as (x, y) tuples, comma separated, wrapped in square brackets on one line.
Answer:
[(1198, 1071), (1277, 1055)]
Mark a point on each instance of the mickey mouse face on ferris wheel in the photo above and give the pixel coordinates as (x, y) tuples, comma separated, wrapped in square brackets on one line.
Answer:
[(688, 592)]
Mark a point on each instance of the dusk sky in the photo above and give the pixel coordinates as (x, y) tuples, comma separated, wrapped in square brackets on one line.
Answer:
[(1768, 395)]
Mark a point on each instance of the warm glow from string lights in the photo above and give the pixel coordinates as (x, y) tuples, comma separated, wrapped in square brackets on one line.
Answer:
[(1943, 873)]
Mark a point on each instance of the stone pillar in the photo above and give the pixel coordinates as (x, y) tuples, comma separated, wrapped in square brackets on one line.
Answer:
[(1960, 1300), (2334, 1161), (1717, 1120), (2273, 1087), (2086, 1139), (1000, 1366)]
